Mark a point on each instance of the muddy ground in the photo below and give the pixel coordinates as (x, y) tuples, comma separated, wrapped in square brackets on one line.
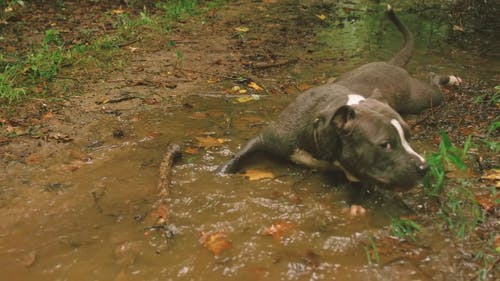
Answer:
[(87, 106)]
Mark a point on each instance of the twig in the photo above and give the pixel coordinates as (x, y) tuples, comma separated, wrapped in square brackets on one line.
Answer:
[(427, 115), (173, 152), (277, 64), (127, 43)]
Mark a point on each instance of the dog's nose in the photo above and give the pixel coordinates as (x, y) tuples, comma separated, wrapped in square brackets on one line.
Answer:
[(422, 168)]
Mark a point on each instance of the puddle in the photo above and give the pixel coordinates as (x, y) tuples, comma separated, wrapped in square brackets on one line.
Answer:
[(73, 223)]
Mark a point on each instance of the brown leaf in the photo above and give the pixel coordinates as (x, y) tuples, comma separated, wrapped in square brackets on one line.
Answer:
[(254, 86), (209, 142), (215, 242), (279, 229), (253, 175), (47, 116), (160, 213), (33, 158), (485, 201), (73, 166), (191, 150)]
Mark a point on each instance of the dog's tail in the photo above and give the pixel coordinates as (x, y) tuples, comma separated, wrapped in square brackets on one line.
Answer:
[(403, 56)]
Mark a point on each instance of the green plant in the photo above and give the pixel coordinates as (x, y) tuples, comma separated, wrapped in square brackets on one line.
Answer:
[(447, 155), (460, 210), (176, 9), (44, 63), (8, 90), (403, 228), (371, 252)]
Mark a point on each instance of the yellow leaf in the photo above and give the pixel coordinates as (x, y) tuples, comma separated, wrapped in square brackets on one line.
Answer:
[(242, 29), (235, 89), (254, 86), (208, 142), (253, 175), (493, 174), (321, 17), (248, 98), (118, 11)]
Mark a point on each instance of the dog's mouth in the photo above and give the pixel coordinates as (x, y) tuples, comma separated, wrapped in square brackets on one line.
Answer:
[(385, 183)]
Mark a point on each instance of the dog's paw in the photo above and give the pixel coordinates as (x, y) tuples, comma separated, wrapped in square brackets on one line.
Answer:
[(357, 210), (454, 80)]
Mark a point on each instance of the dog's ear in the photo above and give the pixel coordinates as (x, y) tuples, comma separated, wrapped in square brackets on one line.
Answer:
[(343, 117)]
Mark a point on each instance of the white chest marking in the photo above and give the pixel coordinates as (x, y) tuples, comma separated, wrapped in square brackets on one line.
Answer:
[(405, 143), (354, 99)]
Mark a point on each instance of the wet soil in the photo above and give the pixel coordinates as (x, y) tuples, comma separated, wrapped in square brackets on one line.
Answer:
[(79, 170)]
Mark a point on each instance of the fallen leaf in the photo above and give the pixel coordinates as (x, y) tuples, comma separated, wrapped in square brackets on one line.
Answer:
[(215, 242), (191, 150), (458, 28), (160, 214), (132, 49), (209, 142), (493, 175), (485, 201), (304, 87), (118, 11), (235, 89), (279, 229), (47, 116), (321, 17), (248, 98), (60, 137), (253, 175), (33, 158), (242, 29), (73, 166), (254, 86)]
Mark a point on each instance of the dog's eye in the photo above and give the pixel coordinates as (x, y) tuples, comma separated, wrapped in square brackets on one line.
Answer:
[(387, 146)]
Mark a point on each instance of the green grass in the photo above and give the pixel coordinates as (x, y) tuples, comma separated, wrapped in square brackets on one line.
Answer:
[(43, 64), (404, 228)]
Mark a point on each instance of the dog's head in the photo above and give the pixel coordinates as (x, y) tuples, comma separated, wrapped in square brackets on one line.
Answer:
[(371, 143)]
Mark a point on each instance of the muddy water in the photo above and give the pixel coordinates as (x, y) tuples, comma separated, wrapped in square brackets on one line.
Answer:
[(87, 224), (67, 219)]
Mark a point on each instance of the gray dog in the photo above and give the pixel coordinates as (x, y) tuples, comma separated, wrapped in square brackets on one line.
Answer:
[(353, 124)]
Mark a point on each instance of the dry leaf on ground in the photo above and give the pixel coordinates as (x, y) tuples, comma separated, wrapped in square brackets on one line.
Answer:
[(279, 229), (493, 175), (215, 242), (321, 17), (253, 175), (242, 29), (255, 86), (209, 142)]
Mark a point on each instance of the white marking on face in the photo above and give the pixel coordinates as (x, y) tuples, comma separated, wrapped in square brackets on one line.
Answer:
[(405, 143), (454, 80), (354, 99)]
